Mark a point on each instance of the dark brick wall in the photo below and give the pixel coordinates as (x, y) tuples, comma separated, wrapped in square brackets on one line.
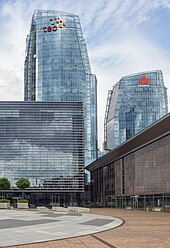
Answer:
[(118, 177), (129, 165), (152, 168), (146, 171)]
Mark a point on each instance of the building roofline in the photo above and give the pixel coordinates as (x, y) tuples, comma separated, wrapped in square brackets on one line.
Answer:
[(154, 131), (36, 102), (138, 73), (52, 10), (135, 74)]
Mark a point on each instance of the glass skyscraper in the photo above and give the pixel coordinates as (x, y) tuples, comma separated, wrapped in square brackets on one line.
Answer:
[(134, 103), (43, 142), (57, 68)]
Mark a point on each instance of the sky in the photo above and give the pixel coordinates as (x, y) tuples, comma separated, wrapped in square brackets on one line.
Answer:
[(122, 37)]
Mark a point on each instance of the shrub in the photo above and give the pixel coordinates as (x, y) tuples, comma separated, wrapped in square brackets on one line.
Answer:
[(22, 201), (4, 200)]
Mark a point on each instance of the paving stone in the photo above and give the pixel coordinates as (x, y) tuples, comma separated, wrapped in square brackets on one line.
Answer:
[(140, 230), (19, 229)]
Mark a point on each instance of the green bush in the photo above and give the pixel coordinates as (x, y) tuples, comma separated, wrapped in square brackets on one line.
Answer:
[(4, 183), (4, 200), (23, 183), (22, 201)]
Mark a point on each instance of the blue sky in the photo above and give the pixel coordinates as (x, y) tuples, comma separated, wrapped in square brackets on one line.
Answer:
[(122, 37)]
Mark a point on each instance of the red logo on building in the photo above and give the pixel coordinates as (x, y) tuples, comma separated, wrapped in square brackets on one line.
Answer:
[(143, 81)]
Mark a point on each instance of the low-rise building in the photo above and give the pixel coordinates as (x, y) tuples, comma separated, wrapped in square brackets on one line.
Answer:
[(136, 174), (44, 143)]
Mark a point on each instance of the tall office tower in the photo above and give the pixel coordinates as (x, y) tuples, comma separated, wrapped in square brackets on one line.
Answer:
[(134, 103), (57, 68)]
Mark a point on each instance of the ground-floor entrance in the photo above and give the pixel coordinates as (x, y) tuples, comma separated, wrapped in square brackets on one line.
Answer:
[(46, 199), (154, 202)]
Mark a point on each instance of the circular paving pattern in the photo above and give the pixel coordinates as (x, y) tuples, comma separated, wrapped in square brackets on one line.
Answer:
[(23, 227)]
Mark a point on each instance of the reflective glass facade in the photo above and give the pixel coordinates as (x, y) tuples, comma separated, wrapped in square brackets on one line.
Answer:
[(43, 142), (57, 68), (134, 103)]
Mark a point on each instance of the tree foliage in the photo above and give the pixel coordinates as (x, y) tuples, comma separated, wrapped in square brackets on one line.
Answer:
[(22, 183), (4, 183)]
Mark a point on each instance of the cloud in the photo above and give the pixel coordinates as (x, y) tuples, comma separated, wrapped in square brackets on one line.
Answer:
[(116, 42), (11, 86)]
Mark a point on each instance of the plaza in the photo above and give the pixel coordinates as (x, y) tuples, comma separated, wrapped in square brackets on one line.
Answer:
[(24, 227), (139, 229)]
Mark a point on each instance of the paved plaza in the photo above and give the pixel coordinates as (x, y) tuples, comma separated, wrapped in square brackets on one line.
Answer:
[(23, 227), (139, 230)]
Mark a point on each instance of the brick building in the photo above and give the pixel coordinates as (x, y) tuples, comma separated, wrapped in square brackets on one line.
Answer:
[(136, 174)]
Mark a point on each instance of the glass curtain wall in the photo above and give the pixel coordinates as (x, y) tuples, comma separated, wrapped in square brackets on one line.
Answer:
[(57, 68), (44, 143), (134, 103)]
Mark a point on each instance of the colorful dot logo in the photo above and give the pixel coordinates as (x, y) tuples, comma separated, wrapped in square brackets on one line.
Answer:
[(55, 23)]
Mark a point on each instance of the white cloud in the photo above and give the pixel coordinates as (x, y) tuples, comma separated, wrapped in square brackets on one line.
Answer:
[(111, 29), (11, 86)]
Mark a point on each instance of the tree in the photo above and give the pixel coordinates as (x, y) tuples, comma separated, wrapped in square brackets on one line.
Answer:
[(22, 183), (4, 184)]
